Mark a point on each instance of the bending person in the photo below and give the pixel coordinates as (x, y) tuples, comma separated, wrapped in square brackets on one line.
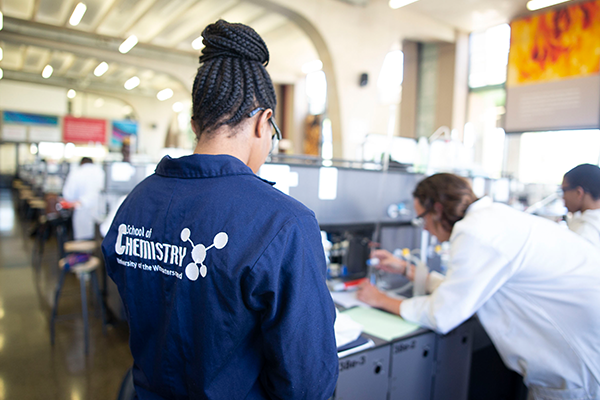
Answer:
[(222, 275), (534, 286), (581, 192)]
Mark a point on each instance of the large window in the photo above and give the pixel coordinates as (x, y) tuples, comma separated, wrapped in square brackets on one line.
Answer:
[(489, 56), (544, 157), (488, 60)]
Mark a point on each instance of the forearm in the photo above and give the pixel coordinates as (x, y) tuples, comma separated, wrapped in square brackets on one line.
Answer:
[(390, 305)]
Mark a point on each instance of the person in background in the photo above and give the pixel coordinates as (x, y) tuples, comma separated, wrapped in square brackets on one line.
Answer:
[(534, 286), (222, 275), (581, 192), (82, 187)]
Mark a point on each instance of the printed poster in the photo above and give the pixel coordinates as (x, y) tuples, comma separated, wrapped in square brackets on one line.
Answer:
[(84, 130), (122, 129), (553, 78)]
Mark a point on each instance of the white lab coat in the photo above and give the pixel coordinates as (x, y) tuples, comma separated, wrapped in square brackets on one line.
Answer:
[(105, 225), (587, 225), (536, 289), (84, 185)]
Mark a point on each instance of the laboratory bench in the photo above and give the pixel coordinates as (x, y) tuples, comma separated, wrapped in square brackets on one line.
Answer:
[(421, 365)]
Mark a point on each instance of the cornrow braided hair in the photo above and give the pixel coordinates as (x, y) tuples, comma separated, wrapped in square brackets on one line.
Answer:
[(232, 79)]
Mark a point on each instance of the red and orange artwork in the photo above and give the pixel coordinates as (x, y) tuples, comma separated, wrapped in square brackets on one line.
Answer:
[(555, 45)]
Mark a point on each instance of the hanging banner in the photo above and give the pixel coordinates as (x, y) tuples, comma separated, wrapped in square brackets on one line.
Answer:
[(121, 130), (24, 127), (44, 134), (553, 78), (14, 133), (12, 117), (84, 130)]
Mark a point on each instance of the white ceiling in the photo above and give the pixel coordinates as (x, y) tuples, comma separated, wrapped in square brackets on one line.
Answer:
[(471, 15), (170, 26)]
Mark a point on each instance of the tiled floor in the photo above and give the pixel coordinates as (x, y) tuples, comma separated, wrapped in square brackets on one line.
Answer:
[(30, 368)]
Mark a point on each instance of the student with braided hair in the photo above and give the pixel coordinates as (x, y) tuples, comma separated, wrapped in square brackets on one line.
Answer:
[(221, 275)]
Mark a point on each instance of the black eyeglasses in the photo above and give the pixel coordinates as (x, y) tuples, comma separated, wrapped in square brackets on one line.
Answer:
[(277, 134), (561, 190), (419, 219)]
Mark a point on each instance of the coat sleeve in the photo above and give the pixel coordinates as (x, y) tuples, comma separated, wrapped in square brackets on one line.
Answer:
[(475, 273), (587, 231), (69, 188), (287, 288)]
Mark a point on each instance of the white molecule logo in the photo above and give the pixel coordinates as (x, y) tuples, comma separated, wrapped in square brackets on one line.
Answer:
[(199, 253)]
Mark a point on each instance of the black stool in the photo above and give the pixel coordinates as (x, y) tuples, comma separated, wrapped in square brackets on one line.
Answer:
[(85, 271)]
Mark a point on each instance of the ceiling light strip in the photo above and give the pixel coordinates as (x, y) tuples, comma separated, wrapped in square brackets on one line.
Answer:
[(164, 94), (128, 44), (78, 14), (47, 72), (132, 83), (101, 69), (538, 4), (395, 4)]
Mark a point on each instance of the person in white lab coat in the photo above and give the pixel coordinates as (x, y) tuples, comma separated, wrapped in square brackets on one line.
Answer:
[(581, 192), (82, 187), (534, 286)]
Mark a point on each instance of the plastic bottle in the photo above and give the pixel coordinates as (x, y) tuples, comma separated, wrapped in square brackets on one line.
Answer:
[(420, 281), (372, 263), (421, 270)]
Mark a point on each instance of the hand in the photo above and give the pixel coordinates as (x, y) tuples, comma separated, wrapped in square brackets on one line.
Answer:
[(388, 262), (410, 272), (370, 294)]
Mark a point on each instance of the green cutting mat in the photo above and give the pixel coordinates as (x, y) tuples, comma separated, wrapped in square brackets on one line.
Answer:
[(380, 323)]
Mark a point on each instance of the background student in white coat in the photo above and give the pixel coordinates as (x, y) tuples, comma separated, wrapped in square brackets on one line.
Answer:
[(534, 286), (581, 192), (82, 187)]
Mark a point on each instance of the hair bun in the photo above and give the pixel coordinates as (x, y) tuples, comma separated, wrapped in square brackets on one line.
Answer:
[(223, 39)]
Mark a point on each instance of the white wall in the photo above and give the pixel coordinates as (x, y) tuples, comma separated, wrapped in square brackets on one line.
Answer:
[(32, 98), (154, 116), (154, 120), (358, 38), (87, 105)]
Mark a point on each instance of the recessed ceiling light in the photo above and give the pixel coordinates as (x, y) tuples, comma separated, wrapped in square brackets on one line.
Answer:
[(178, 106), (197, 43), (128, 44), (164, 94), (400, 3), (132, 83), (537, 4), (1, 73), (1, 54), (101, 69), (47, 72), (1, 20), (71, 93), (77, 14)]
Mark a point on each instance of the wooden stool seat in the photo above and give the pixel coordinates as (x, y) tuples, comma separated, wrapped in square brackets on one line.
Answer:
[(26, 194), (90, 265), (80, 246)]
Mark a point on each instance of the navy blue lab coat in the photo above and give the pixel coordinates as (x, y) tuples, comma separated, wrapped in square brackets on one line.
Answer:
[(223, 281)]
